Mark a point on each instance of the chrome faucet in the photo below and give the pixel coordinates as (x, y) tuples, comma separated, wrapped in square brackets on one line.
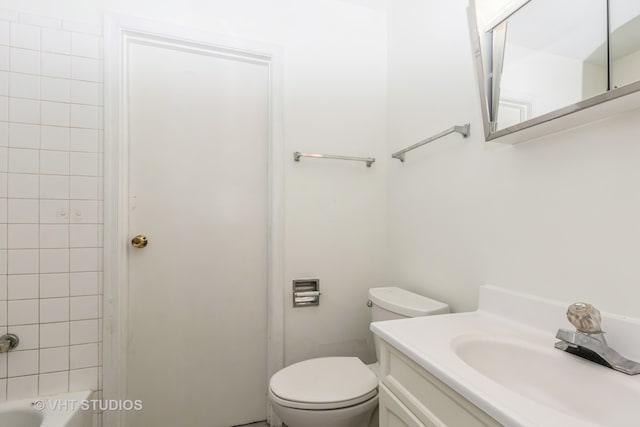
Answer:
[(8, 342), (588, 341)]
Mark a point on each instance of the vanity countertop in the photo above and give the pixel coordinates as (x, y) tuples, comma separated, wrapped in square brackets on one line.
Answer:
[(494, 358)]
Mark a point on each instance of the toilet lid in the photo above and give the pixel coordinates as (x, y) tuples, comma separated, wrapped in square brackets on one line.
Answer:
[(323, 383)]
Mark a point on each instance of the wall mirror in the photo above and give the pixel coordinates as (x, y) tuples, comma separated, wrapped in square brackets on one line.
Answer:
[(541, 60)]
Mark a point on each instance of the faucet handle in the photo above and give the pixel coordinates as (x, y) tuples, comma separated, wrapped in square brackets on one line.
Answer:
[(585, 317)]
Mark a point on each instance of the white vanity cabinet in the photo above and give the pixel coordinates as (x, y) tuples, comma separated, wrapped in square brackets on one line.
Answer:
[(412, 397)]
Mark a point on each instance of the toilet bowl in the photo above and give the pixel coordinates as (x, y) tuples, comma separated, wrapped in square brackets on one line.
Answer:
[(328, 391), (342, 391)]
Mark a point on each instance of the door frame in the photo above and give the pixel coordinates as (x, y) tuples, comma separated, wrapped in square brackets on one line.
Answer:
[(119, 31)]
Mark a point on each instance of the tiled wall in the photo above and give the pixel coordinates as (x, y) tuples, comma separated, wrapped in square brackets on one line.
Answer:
[(50, 204)]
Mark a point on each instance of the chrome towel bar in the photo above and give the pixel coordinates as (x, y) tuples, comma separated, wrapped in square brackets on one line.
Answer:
[(298, 154), (462, 130)]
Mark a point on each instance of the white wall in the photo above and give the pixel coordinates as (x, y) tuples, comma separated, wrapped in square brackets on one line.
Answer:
[(555, 217), (334, 102)]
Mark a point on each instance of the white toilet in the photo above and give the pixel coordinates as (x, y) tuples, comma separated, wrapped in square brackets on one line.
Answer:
[(342, 391)]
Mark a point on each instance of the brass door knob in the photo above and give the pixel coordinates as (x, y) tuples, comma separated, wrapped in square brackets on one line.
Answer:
[(139, 241)]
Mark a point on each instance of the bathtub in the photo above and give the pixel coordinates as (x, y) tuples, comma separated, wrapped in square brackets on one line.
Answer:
[(62, 410)]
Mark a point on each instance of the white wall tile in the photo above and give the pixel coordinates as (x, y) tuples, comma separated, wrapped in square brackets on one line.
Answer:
[(23, 186), (84, 164), (85, 283), (24, 110), (83, 235), (3, 322), (56, 65), (24, 86), (4, 159), (23, 261), (82, 27), (4, 134), (3, 388), (50, 145), (4, 108), (86, 92), (54, 359), (54, 211), (54, 236), (22, 387), (83, 307), (40, 21), (22, 211), (4, 210), (54, 310), (25, 36), (25, 61), (56, 89), (22, 286), (54, 260), (23, 236), (22, 363), (24, 135), (5, 56), (9, 15), (85, 259), (3, 363), (22, 160), (83, 188), (4, 83), (54, 334), (3, 294), (3, 184), (22, 312), (55, 113), (83, 211), (87, 140), (54, 187), (54, 285), (83, 356), (86, 45), (3, 236), (54, 138), (83, 331), (86, 69), (53, 383), (57, 41), (85, 116), (29, 336), (5, 32), (54, 162), (83, 379)]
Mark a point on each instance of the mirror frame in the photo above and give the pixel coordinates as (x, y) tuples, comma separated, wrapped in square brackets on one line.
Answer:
[(597, 107)]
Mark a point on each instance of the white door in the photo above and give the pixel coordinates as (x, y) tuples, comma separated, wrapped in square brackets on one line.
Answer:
[(198, 156)]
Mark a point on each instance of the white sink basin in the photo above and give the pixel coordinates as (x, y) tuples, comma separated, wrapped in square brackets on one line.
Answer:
[(502, 359), (553, 378)]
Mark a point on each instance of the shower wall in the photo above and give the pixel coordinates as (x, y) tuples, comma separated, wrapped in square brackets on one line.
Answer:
[(50, 204)]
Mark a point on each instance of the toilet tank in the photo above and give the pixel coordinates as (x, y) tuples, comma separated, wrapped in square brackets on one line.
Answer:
[(390, 303)]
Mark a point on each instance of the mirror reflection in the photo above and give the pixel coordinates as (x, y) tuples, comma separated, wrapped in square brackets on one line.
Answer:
[(625, 42), (542, 59), (549, 60)]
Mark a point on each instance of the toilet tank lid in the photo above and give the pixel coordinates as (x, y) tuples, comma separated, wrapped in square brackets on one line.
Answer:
[(406, 303)]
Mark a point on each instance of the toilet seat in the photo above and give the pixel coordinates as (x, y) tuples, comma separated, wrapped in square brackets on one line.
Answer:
[(324, 383)]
